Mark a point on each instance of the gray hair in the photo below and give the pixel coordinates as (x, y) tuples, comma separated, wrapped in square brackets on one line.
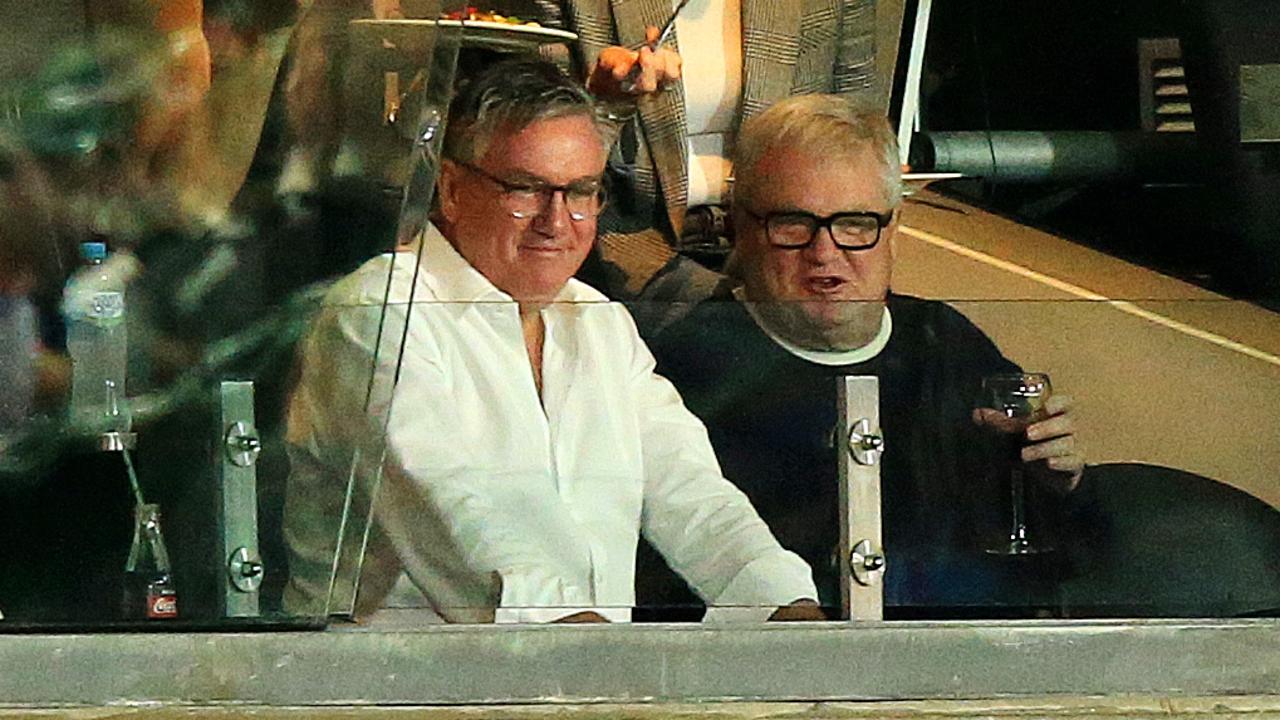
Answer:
[(511, 95), (825, 124)]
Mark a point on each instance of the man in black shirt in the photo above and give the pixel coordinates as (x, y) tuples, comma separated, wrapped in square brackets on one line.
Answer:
[(815, 211)]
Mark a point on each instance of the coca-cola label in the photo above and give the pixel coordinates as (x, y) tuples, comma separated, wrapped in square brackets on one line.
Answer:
[(162, 606)]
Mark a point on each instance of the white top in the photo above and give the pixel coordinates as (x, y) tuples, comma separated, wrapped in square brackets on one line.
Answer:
[(493, 497), (710, 36)]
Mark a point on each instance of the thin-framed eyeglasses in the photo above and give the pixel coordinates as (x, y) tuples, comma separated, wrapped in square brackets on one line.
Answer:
[(796, 230), (525, 200)]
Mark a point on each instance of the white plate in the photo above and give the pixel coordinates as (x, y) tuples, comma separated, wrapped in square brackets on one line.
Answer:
[(930, 176), (414, 36)]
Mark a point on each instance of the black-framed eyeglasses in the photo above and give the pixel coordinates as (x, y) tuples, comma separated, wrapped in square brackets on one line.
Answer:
[(795, 230), (524, 200)]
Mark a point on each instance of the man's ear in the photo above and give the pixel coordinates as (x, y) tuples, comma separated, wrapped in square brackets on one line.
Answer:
[(890, 233), (449, 191)]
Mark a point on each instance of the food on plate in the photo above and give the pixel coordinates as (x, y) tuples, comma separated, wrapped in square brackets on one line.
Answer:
[(473, 15)]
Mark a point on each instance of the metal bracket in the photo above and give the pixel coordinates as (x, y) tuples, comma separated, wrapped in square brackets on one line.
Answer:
[(864, 444), (238, 562), (866, 561), (242, 444), (858, 476), (117, 441), (244, 569)]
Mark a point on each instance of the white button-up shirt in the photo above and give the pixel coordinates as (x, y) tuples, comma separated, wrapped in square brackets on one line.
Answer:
[(710, 36), (492, 499)]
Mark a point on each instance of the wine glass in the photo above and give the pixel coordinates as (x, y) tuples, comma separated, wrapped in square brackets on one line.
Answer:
[(1020, 398)]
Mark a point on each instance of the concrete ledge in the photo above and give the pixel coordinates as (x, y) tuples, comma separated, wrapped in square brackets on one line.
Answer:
[(1055, 708), (567, 665)]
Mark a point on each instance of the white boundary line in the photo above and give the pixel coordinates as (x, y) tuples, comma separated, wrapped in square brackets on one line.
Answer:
[(1066, 287)]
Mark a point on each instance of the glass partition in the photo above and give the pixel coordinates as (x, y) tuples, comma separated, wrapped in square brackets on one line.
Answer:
[(1165, 402), (235, 392), (179, 192)]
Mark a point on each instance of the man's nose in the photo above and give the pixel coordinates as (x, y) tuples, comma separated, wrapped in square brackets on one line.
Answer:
[(553, 216), (823, 249)]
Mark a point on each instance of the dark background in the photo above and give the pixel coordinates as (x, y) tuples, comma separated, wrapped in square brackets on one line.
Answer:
[(1007, 65)]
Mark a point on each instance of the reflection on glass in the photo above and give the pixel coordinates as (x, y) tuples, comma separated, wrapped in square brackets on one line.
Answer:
[(149, 593), (240, 204), (167, 150)]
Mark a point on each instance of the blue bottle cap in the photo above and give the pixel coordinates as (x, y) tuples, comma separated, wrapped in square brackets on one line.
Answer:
[(93, 251)]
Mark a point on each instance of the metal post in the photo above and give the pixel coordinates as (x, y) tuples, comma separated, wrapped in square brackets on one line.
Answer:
[(238, 490), (858, 448), (909, 120)]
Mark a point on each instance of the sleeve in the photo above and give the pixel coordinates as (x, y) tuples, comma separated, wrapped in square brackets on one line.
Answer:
[(595, 29), (703, 525), (952, 335), (854, 75), (328, 433)]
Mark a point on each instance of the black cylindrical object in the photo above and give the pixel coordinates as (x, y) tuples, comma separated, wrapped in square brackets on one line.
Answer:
[(1055, 156)]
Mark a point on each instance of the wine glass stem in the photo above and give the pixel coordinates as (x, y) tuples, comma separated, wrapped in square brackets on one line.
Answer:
[(1016, 487)]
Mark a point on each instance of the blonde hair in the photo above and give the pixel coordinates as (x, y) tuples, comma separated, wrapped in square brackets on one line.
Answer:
[(822, 124)]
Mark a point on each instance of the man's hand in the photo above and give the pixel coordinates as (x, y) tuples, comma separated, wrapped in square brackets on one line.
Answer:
[(1051, 442), (587, 616), (621, 73), (802, 610)]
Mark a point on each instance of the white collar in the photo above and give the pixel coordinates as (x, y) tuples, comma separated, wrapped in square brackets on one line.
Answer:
[(824, 357)]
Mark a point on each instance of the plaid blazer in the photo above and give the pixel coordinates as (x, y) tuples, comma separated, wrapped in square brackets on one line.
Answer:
[(790, 47)]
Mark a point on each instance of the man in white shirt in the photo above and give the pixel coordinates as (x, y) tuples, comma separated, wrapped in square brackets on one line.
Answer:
[(527, 441)]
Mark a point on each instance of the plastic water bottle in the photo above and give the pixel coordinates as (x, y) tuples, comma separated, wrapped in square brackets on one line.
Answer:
[(93, 305)]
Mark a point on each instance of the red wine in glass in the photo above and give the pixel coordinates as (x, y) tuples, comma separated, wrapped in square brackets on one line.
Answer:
[(1020, 398)]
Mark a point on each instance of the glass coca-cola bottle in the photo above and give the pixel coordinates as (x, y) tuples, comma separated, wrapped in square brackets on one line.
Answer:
[(149, 593)]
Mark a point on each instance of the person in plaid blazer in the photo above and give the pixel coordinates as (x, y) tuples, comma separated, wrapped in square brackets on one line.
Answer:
[(790, 47)]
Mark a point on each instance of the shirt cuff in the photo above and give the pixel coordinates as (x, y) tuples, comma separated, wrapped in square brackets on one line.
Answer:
[(766, 583), (737, 615), (535, 596), (525, 615)]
